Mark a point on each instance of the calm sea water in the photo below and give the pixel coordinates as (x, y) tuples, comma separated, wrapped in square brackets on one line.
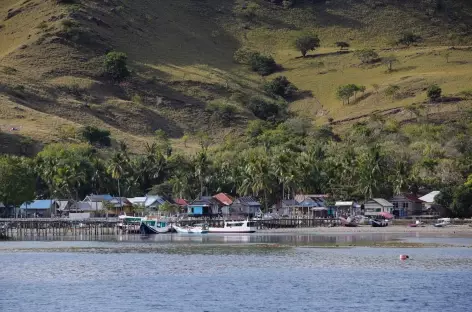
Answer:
[(231, 273)]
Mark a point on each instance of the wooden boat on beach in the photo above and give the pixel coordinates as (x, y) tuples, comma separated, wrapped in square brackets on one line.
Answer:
[(379, 223)]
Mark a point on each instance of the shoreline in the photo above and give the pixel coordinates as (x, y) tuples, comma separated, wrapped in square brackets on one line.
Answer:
[(462, 230)]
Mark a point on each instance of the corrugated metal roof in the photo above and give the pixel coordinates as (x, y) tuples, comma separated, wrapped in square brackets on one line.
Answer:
[(225, 199), (137, 200), (249, 201), (99, 197), (343, 203), (39, 204), (181, 202), (429, 198), (383, 202)]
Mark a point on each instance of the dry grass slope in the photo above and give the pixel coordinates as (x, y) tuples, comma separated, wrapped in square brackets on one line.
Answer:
[(180, 53)]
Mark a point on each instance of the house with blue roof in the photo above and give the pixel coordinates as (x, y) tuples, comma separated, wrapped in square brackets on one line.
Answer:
[(39, 208)]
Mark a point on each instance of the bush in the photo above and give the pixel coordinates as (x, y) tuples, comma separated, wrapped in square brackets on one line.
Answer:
[(408, 39), (345, 92), (244, 56), (262, 64), (434, 92), (222, 111), (307, 43), (392, 91), (263, 109), (280, 86), (367, 56), (95, 135), (115, 65), (342, 45)]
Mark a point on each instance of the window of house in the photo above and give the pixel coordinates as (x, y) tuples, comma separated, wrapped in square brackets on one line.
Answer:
[(395, 205), (405, 205), (378, 210)]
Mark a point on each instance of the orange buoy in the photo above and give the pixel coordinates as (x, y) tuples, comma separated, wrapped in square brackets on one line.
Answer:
[(404, 257)]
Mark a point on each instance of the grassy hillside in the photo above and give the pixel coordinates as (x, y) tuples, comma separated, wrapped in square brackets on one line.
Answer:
[(181, 56)]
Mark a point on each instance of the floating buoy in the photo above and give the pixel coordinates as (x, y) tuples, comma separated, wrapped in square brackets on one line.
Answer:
[(404, 257)]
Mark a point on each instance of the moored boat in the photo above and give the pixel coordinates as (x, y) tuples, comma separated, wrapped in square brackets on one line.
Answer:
[(154, 226), (348, 222), (196, 229), (245, 226)]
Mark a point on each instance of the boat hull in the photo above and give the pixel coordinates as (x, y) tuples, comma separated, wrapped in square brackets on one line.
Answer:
[(227, 231), (147, 229), (190, 230), (379, 224)]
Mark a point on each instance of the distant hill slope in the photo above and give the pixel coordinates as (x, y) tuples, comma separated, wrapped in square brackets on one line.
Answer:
[(180, 53)]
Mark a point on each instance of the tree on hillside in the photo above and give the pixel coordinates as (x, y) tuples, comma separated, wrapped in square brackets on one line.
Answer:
[(446, 55), (95, 135), (434, 92), (345, 92), (306, 43), (342, 45), (408, 39), (367, 56), (389, 61), (280, 86), (115, 65)]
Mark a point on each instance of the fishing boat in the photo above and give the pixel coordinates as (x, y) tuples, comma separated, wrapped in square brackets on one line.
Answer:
[(129, 224), (196, 229), (154, 226), (235, 227), (443, 222)]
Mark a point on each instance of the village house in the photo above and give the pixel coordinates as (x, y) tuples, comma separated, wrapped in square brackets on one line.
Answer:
[(43, 208), (312, 206), (347, 208), (149, 202), (182, 203), (376, 206), (405, 205), (225, 202), (204, 206), (246, 206), (429, 204)]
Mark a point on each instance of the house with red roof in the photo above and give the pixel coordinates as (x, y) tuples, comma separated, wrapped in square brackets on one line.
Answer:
[(405, 205), (225, 202)]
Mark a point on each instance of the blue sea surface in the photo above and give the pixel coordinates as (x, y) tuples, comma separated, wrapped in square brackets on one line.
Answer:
[(73, 276)]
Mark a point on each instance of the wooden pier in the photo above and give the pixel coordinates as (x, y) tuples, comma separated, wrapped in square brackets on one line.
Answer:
[(44, 227), (53, 227)]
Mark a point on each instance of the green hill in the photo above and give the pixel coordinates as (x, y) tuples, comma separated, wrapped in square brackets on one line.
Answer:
[(181, 56)]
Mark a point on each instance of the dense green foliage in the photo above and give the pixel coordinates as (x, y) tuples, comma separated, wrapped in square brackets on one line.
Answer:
[(408, 39), (276, 159), (115, 65), (345, 92), (306, 43)]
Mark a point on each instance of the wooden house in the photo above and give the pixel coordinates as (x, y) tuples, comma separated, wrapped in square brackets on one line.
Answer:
[(373, 207), (246, 206), (44, 208), (204, 206), (225, 202), (405, 205)]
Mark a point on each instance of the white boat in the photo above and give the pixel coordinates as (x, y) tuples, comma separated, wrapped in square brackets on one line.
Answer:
[(129, 224), (235, 227), (196, 229), (154, 226)]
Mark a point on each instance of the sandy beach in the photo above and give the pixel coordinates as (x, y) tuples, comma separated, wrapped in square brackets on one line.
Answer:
[(462, 230)]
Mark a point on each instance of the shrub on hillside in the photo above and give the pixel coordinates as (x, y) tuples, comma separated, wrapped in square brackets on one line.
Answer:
[(222, 112), (262, 64), (280, 86), (244, 55), (434, 92), (345, 92), (266, 110), (306, 43), (368, 56), (95, 135), (408, 39), (342, 45), (115, 65)]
